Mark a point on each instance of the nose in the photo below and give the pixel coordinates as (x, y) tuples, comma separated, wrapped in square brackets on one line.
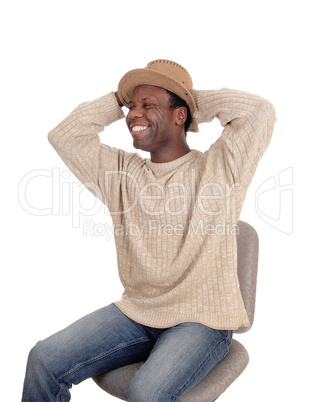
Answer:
[(135, 113)]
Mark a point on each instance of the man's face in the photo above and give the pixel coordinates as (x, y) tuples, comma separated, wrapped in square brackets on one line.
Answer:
[(150, 119)]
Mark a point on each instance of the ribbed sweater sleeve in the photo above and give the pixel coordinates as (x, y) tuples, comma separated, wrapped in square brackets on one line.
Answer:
[(248, 122), (77, 142)]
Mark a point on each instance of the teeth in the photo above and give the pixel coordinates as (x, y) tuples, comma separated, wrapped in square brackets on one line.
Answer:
[(138, 128)]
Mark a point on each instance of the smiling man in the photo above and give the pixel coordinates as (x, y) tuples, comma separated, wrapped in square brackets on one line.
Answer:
[(181, 297), (157, 127)]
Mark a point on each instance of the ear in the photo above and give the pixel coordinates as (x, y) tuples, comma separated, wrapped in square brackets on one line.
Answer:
[(181, 115)]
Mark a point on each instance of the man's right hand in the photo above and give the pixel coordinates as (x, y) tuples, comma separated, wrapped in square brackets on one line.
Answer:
[(118, 99)]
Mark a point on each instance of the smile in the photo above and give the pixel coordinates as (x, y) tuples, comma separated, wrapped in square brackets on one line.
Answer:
[(137, 128)]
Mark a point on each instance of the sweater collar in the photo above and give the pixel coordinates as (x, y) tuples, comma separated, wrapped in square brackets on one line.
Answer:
[(167, 166)]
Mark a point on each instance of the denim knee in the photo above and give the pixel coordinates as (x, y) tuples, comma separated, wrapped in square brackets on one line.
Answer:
[(41, 381), (40, 360), (36, 356)]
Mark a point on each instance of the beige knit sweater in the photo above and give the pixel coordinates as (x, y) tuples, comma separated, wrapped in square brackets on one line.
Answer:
[(175, 222)]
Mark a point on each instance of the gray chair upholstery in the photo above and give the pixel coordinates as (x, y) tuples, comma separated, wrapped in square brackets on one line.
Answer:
[(228, 370)]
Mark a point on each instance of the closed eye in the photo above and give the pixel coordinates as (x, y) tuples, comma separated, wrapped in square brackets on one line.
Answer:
[(145, 105)]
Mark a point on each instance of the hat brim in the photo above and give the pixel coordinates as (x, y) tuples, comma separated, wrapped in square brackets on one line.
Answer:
[(142, 76)]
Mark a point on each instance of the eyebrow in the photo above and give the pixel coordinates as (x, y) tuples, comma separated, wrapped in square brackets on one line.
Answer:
[(142, 100)]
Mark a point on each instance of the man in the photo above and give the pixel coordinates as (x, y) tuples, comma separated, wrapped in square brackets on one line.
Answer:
[(174, 217)]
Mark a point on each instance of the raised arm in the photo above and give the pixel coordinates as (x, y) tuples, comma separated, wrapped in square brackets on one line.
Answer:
[(248, 122), (77, 142)]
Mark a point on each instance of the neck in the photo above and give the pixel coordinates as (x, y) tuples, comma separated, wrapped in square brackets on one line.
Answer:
[(168, 155)]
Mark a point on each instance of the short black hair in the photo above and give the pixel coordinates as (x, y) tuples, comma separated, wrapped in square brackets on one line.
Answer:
[(175, 102)]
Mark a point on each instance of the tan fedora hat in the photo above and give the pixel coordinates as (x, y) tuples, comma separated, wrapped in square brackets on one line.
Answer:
[(161, 73)]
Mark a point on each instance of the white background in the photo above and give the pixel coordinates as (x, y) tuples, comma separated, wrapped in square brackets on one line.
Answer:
[(57, 54)]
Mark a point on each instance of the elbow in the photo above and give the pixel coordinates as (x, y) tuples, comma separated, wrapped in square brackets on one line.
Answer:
[(268, 119), (265, 119), (273, 113), (51, 137), (269, 110)]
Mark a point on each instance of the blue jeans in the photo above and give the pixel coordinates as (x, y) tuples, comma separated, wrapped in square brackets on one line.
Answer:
[(177, 358)]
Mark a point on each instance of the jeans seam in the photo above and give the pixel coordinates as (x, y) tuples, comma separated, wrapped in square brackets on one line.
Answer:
[(199, 368), (85, 363)]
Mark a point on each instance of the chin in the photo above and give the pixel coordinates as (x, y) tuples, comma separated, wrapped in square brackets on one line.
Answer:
[(140, 145)]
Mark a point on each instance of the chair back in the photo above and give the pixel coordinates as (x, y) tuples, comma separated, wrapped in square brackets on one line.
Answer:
[(247, 250)]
